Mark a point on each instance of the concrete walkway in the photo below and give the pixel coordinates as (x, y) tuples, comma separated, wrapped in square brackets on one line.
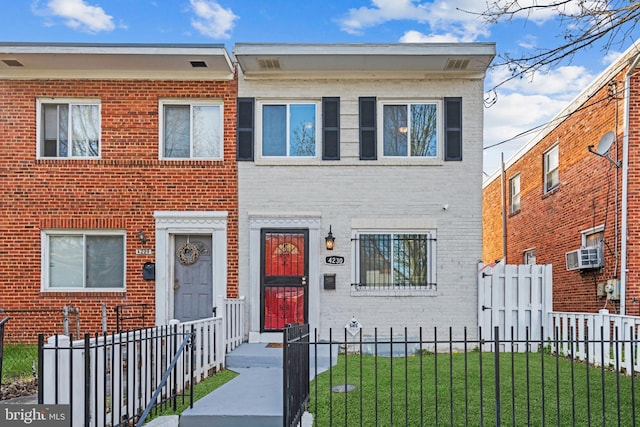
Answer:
[(254, 397)]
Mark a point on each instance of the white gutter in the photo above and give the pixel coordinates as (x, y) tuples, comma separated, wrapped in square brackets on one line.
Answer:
[(625, 185)]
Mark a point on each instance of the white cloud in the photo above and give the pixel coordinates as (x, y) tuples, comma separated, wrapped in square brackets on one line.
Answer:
[(417, 37), (442, 16), (563, 82), (523, 105), (611, 57), (80, 16), (212, 20)]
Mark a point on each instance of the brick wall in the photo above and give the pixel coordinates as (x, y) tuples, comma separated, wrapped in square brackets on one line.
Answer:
[(121, 190), (589, 195)]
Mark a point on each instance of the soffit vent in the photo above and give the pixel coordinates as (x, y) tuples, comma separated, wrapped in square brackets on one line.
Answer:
[(198, 64), (269, 64), (13, 62), (457, 65)]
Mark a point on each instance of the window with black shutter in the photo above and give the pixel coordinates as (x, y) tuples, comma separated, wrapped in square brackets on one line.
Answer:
[(367, 111), (331, 128), (453, 129), (244, 132)]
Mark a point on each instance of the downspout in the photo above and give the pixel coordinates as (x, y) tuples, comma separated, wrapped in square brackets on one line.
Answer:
[(625, 186), (503, 181)]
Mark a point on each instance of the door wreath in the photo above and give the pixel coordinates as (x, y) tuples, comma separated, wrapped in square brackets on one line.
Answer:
[(188, 254)]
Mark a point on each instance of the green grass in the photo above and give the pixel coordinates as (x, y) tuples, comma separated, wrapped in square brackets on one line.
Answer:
[(201, 389), (389, 391), (17, 362)]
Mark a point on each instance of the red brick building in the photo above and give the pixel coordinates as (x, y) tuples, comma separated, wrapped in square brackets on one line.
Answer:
[(570, 205), (113, 157)]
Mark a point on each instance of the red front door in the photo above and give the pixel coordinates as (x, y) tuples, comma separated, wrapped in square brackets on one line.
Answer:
[(284, 289)]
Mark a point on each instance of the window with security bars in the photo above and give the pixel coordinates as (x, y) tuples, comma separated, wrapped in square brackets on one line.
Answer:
[(391, 260)]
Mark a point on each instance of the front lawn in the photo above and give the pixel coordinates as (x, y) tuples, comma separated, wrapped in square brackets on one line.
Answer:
[(460, 389)]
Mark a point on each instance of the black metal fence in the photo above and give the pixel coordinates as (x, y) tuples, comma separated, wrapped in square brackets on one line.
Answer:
[(423, 379), (109, 379), (295, 372), (2, 323)]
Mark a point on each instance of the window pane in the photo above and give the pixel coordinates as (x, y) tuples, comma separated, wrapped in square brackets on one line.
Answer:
[(63, 131), (375, 259), (105, 261), (410, 262), (274, 130), (176, 131), (85, 130), (302, 132), (65, 262), (424, 136), (395, 130), (594, 239), (206, 131)]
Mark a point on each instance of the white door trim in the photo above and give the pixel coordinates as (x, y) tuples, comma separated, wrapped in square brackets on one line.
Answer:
[(258, 221), (169, 223)]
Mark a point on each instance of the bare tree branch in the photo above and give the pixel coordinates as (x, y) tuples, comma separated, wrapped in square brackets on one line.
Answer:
[(582, 24)]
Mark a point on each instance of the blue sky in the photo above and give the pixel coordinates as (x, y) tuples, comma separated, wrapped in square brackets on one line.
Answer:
[(521, 105)]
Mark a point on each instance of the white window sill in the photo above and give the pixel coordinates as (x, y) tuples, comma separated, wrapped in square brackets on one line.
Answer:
[(392, 292)]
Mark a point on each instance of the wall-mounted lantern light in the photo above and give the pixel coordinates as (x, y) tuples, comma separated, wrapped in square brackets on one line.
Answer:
[(142, 237), (329, 240)]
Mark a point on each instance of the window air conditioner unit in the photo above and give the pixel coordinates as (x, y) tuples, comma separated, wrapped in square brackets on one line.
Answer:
[(584, 258)]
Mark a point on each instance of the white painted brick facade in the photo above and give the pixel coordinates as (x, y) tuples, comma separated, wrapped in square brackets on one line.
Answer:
[(339, 192)]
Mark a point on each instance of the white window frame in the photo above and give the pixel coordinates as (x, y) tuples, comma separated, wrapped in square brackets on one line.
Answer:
[(191, 103), (527, 254), (548, 173), (514, 197), (392, 290), (40, 102), (288, 102), (408, 102), (45, 261)]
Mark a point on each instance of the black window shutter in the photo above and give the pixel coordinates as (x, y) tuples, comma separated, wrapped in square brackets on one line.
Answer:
[(368, 128), (453, 129), (331, 128), (244, 129)]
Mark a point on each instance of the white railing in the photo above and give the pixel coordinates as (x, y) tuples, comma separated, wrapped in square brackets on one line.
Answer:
[(110, 378), (601, 339)]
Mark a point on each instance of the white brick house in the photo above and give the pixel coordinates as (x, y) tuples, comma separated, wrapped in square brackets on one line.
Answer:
[(382, 146)]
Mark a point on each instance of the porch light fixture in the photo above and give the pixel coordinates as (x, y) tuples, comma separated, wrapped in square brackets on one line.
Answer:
[(329, 240), (142, 237)]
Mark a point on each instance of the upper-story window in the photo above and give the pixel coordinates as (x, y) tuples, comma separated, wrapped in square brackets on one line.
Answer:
[(83, 259), (191, 130), (289, 129), (514, 194), (551, 166), (410, 129), (68, 128)]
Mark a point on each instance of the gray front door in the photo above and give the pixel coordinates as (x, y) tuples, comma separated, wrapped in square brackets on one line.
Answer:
[(193, 286)]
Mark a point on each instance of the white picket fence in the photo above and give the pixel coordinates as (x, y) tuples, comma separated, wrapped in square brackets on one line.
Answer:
[(117, 374), (602, 339), (516, 299)]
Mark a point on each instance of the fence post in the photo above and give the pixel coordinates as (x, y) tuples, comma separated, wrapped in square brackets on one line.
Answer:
[(2, 322), (496, 358), (40, 369), (221, 312)]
